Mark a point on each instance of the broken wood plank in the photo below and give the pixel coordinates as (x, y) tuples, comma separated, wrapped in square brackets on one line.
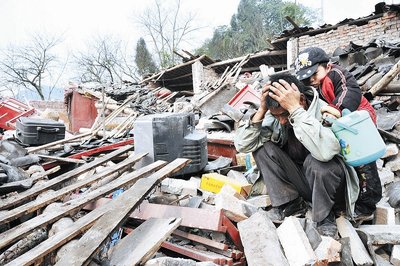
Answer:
[(199, 239), (233, 232), (260, 240), (44, 201), (389, 136), (72, 206), (91, 241), (384, 81), (54, 143), (140, 245), (62, 159), (197, 254), (29, 194), (46, 174), (382, 234), (194, 218), (358, 251), (103, 148), (87, 153), (230, 253), (23, 245)]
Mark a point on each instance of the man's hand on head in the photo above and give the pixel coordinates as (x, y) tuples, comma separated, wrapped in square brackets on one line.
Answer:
[(287, 95), (259, 115), (264, 94)]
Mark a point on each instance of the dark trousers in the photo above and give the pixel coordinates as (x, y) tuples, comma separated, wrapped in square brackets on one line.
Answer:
[(321, 183)]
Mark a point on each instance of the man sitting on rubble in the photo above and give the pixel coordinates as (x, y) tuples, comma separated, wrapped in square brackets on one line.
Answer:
[(297, 155)]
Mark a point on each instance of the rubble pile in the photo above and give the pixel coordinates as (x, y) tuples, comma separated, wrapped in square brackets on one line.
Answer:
[(93, 198)]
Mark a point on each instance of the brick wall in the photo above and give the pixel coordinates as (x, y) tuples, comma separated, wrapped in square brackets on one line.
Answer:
[(386, 28)]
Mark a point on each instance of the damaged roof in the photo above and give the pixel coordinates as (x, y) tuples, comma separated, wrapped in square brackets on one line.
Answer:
[(179, 77)]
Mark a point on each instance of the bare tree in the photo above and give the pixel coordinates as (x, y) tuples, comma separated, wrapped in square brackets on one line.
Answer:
[(28, 65), (167, 30), (105, 61)]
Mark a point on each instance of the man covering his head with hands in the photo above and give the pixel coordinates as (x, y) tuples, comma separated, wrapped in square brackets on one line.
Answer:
[(297, 155)]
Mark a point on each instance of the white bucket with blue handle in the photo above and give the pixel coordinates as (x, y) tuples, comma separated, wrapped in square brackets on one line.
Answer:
[(359, 139)]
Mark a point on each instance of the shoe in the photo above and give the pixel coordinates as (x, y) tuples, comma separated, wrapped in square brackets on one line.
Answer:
[(360, 218), (296, 207), (276, 215), (328, 227)]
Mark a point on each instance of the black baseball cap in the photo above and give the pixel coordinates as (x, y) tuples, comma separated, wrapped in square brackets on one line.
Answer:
[(307, 62)]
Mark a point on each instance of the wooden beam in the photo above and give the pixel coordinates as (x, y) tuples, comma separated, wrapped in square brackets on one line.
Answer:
[(384, 81), (91, 241), (138, 247), (233, 232), (291, 21), (72, 206), (29, 194), (62, 159), (191, 217), (200, 239), (198, 254), (54, 143), (250, 56), (158, 75), (44, 201), (389, 136)]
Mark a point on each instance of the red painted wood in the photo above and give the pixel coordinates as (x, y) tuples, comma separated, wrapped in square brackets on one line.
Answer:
[(91, 152), (82, 112), (233, 232)]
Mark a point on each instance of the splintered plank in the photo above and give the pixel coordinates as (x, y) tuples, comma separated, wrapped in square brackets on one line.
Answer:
[(69, 207), (137, 247), (91, 241), (198, 254), (207, 219), (54, 143), (30, 193), (358, 251), (200, 239), (41, 202)]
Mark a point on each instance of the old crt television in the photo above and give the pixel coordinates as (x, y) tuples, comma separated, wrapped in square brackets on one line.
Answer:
[(168, 136)]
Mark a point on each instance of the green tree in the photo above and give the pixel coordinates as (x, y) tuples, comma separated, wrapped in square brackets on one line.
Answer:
[(253, 25), (143, 59)]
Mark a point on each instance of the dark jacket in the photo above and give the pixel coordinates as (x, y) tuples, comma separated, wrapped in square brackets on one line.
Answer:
[(340, 90)]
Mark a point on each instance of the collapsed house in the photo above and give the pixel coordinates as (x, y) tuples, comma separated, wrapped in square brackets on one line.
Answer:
[(108, 194)]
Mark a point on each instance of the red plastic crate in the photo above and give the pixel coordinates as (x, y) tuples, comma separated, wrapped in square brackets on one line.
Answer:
[(12, 109), (246, 94)]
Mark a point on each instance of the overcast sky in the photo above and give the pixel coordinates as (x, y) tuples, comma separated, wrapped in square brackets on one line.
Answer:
[(79, 20)]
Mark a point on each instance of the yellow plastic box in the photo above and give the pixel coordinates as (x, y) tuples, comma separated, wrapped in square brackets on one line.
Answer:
[(213, 182)]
